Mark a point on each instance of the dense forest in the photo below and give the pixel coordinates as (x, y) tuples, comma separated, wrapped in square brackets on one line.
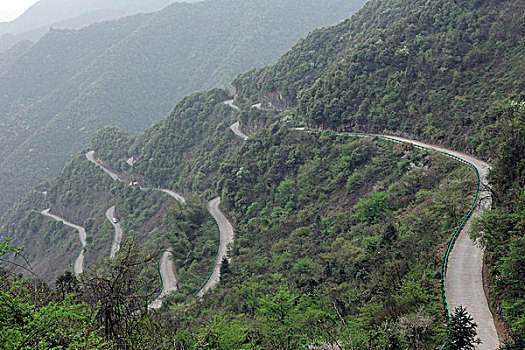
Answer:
[(129, 73), (435, 72), (339, 240), (39, 18), (502, 230), (329, 200)]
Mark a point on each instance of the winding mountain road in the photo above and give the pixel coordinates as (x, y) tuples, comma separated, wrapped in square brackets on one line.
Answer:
[(78, 266), (231, 103), (175, 196), (115, 246), (91, 157), (464, 279), (166, 267), (226, 237), (235, 127), (169, 279)]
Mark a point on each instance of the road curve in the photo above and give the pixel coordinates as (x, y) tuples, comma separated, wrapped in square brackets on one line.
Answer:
[(78, 266), (258, 106), (169, 280), (91, 157), (166, 267), (237, 131), (226, 237), (464, 279), (115, 246), (175, 196), (231, 103)]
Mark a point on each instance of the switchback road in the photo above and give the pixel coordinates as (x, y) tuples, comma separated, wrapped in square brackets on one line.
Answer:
[(91, 157), (175, 196), (169, 280), (115, 246), (237, 131), (235, 127), (78, 266), (464, 279), (226, 237), (166, 267), (231, 103)]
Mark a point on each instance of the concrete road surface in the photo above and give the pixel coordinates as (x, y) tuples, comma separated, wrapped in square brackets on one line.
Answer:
[(231, 104), (226, 237), (237, 131), (175, 196), (91, 157), (78, 266), (464, 280), (169, 280), (115, 246)]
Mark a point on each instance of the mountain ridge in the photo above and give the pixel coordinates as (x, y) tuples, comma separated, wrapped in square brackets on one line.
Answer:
[(44, 15), (338, 239), (141, 67)]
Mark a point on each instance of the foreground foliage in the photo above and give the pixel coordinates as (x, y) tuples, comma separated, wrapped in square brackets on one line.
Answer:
[(502, 230)]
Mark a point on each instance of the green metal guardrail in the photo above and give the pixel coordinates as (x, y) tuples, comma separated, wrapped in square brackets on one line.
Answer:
[(161, 281), (212, 269), (459, 228), (202, 286)]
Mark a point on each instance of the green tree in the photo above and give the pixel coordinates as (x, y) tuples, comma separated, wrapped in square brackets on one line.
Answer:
[(31, 319), (517, 342), (223, 334), (462, 331), (118, 298), (371, 208), (225, 270), (67, 284)]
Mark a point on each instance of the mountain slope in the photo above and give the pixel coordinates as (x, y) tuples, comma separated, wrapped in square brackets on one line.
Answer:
[(394, 72), (339, 240), (130, 72), (449, 72), (47, 14), (319, 217)]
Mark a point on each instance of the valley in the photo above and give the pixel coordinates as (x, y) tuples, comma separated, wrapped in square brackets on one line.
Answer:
[(363, 191)]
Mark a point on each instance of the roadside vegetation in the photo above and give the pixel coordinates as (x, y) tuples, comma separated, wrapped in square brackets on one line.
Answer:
[(339, 240)]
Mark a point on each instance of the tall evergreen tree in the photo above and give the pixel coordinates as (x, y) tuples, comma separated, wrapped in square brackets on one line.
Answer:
[(462, 331)]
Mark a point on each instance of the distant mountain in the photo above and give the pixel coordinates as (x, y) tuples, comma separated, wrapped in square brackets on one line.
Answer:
[(328, 227), (131, 72), (67, 14)]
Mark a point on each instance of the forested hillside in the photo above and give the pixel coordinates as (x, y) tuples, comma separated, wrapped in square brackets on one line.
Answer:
[(129, 73), (38, 19), (319, 218), (502, 230), (433, 71), (339, 240)]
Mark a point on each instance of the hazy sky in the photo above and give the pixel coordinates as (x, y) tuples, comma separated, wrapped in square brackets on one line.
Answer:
[(11, 9)]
